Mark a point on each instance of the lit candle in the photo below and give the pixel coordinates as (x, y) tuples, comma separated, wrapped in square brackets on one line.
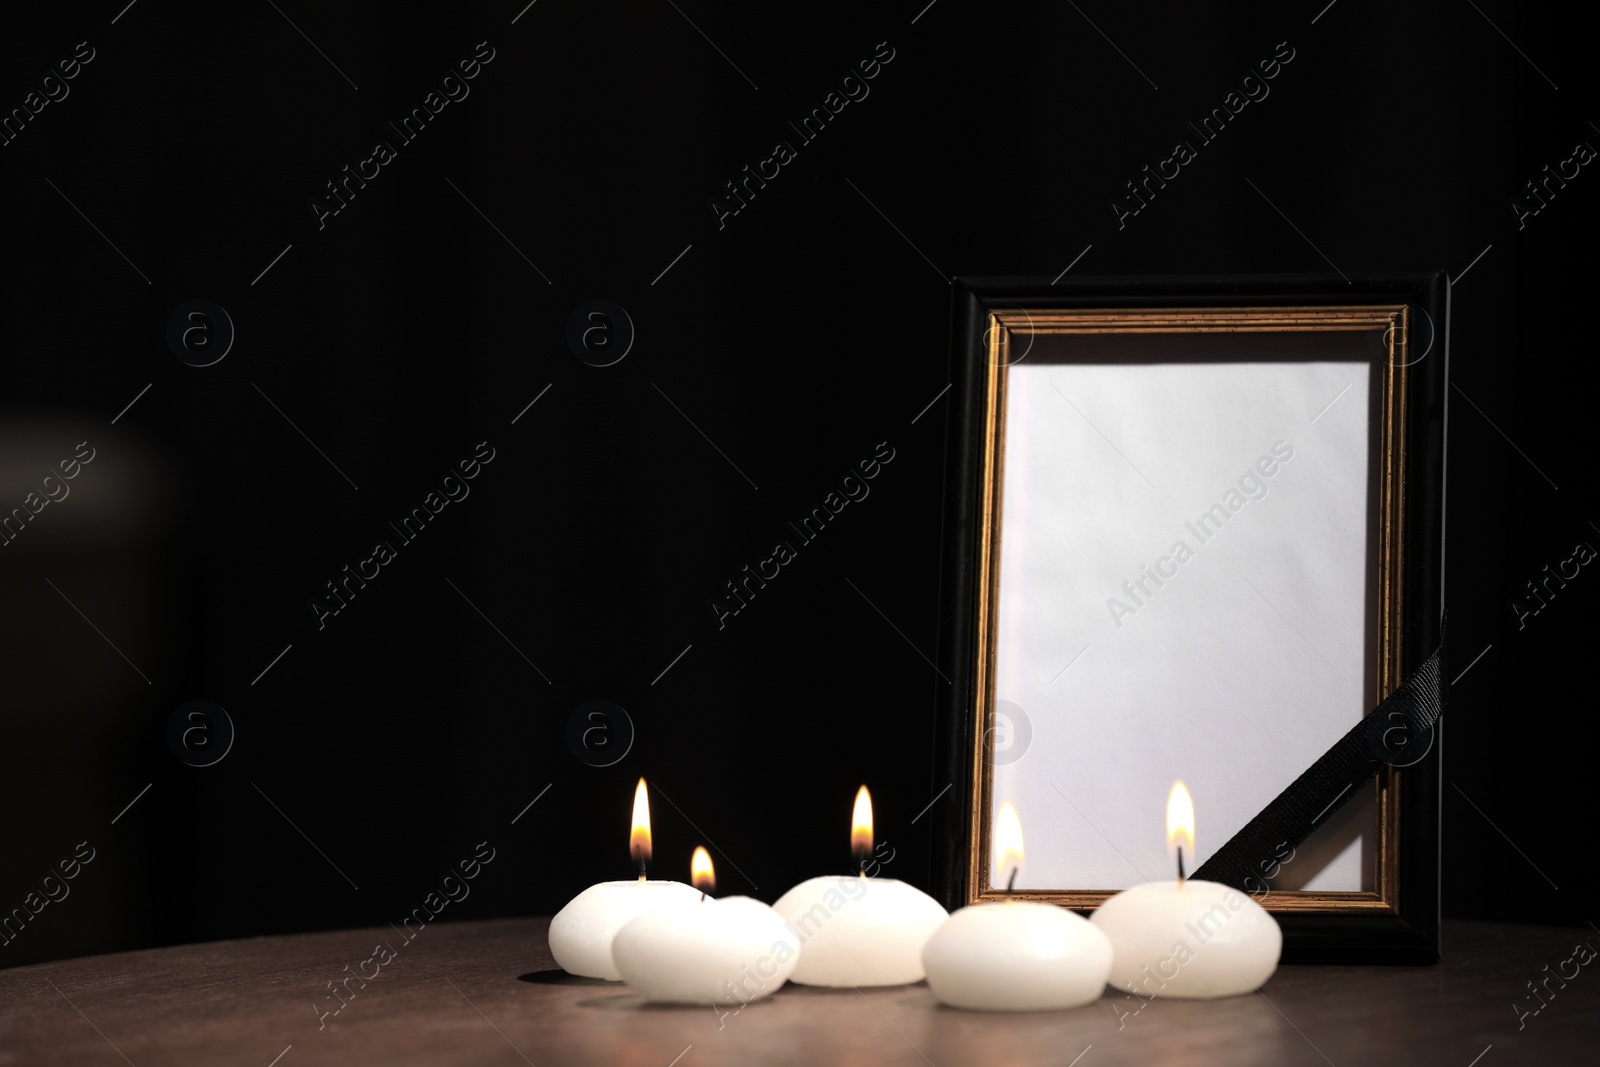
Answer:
[(1188, 938), (1019, 955), (706, 951), (859, 931), (581, 932)]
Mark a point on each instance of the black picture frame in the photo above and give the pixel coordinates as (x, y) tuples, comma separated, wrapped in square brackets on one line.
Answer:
[(1407, 929)]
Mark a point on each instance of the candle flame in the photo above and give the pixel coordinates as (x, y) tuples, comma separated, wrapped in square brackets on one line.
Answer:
[(701, 874), (1180, 818), (861, 825), (639, 840), (1007, 844)]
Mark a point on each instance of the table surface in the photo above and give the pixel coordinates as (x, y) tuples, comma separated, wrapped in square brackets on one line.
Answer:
[(489, 993)]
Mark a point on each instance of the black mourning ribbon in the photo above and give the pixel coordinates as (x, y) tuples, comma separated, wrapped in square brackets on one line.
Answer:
[(1380, 738)]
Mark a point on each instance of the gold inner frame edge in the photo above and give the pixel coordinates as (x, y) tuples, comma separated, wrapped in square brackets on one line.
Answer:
[(1394, 320)]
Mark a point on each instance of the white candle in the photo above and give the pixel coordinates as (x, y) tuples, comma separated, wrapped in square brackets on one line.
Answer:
[(581, 933), (1188, 938), (860, 931), (708, 951), (1018, 955)]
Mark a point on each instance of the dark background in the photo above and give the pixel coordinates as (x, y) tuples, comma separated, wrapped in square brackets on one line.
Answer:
[(774, 353)]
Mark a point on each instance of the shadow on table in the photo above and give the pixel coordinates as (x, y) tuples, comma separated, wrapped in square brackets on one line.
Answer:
[(556, 976), (624, 999)]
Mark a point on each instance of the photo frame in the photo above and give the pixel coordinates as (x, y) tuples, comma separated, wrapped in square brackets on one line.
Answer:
[(1142, 584)]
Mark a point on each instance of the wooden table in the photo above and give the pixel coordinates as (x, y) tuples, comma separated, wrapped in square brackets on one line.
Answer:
[(488, 993)]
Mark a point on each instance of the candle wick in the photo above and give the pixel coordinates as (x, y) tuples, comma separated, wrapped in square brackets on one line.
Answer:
[(1180, 867), (1011, 881)]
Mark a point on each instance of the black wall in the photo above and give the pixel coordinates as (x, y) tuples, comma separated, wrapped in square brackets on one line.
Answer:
[(772, 352)]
